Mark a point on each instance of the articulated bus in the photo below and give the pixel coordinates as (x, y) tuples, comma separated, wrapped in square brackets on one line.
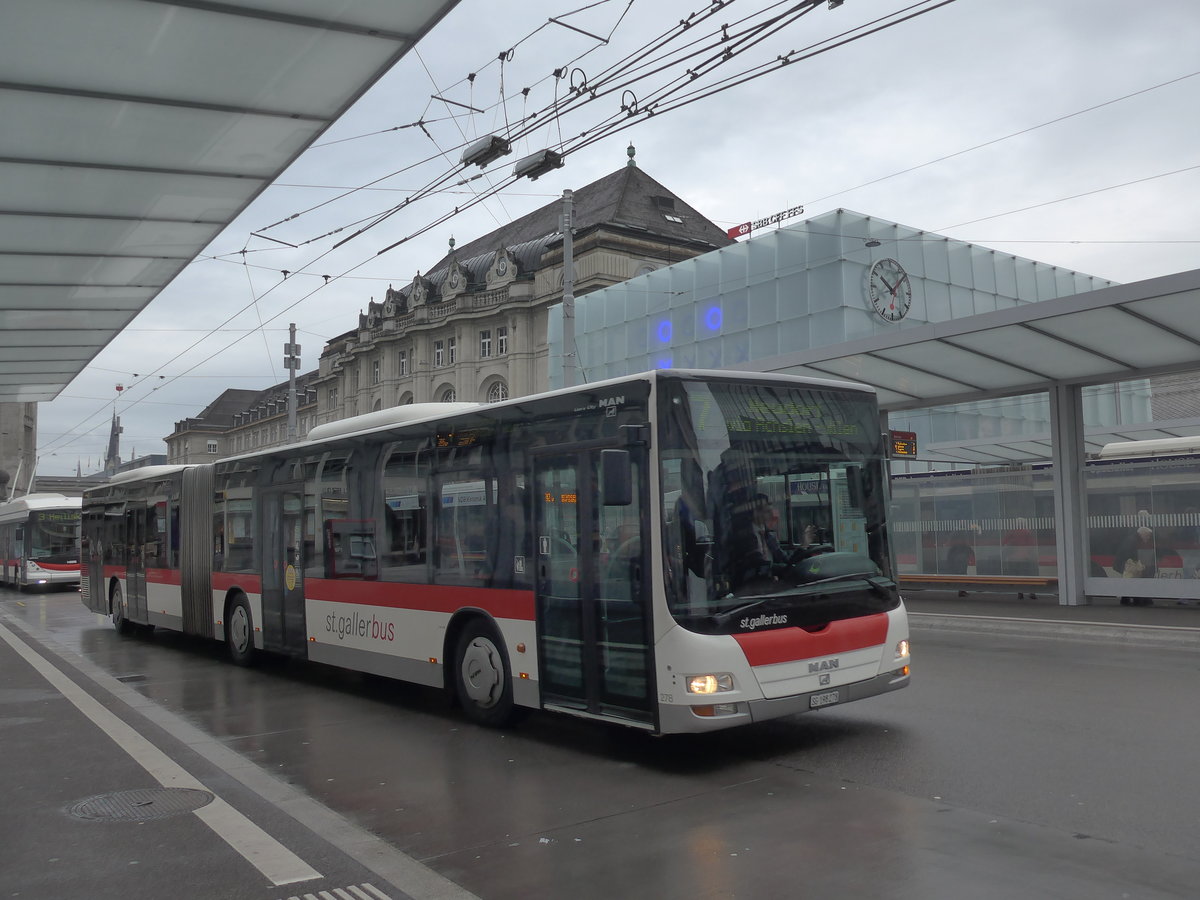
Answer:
[(39, 541), (593, 551)]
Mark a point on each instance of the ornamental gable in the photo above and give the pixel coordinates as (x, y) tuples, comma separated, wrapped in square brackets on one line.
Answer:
[(455, 281), (394, 303), (503, 269), (420, 291)]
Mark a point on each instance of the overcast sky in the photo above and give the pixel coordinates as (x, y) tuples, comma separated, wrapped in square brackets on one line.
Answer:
[(1109, 191)]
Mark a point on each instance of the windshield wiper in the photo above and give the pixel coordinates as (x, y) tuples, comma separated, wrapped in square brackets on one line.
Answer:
[(878, 583)]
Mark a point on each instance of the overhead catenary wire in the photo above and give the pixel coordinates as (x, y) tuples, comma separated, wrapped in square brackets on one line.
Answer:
[(531, 122), (803, 7), (441, 219)]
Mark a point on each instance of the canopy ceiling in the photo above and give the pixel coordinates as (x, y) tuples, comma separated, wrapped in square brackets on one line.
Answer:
[(136, 130)]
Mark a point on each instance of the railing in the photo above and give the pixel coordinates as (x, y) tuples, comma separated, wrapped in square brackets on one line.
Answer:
[(443, 309)]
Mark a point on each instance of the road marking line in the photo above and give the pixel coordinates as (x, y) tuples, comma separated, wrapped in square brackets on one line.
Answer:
[(261, 850)]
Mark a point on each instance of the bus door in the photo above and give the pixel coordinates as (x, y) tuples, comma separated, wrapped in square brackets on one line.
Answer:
[(592, 578), (136, 535), (283, 570)]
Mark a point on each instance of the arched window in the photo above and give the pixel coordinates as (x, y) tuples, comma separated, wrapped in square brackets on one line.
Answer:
[(497, 392), (405, 399), (448, 395), (378, 406)]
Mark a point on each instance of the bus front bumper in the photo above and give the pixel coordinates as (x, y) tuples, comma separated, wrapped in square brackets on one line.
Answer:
[(684, 719), (39, 577)]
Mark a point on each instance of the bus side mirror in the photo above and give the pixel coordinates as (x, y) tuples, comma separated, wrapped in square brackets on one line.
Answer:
[(616, 473)]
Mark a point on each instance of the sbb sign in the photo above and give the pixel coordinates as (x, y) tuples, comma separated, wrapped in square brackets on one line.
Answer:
[(746, 227)]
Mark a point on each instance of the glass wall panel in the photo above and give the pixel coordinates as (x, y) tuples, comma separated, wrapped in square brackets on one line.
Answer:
[(1006, 275), (1047, 288), (983, 270), (793, 335), (763, 305), (1144, 520), (992, 523), (764, 343)]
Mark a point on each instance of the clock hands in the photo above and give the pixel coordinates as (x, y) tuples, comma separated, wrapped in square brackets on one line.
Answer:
[(899, 291)]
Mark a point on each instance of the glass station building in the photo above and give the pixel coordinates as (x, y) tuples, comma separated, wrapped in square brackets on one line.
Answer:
[(978, 500)]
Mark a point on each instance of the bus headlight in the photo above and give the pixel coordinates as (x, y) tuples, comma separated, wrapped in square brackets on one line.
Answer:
[(709, 684), (902, 650)]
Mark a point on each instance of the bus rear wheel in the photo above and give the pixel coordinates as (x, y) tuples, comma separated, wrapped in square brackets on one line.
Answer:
[(120, 623), (239, 631), (482, 677)]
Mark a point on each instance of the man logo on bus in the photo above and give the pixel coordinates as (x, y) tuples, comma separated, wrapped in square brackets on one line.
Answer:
[(823, 666)]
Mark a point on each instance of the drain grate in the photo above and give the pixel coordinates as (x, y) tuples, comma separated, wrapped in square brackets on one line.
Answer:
[(141, 805)]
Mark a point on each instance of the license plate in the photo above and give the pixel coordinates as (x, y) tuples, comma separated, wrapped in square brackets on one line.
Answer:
[(818, 700)]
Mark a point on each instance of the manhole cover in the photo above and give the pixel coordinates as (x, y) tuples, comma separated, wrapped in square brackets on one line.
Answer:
[(141, 805)]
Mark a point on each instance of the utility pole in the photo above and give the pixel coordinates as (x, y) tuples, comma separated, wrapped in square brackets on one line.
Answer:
[(568, 303), (291, 362)]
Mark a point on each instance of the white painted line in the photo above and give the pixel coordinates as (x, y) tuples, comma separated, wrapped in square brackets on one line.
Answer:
[(262, 851), (416, 879)]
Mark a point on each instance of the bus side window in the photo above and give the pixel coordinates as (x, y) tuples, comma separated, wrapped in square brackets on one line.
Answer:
[(405, 485), (350, 549), (462, 515)]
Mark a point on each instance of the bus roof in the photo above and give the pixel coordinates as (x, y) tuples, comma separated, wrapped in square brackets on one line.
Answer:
[(36, 502), (1155, 447), (381, 420), (143, 473), (387, 418)]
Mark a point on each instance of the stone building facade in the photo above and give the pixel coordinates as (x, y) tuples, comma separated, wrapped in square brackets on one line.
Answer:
[(474, 327), (239, 421)]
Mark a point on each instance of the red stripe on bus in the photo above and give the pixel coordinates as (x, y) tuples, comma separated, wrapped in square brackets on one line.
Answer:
[(164, 576), (501, 603), (114, 571), (223, 581), (57, 567), (764, 648)]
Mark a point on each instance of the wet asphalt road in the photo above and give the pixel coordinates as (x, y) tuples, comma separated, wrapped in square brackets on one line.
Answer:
[(1015, 766)]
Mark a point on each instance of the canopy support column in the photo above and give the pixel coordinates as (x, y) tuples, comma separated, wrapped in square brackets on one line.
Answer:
[(1070, 492)]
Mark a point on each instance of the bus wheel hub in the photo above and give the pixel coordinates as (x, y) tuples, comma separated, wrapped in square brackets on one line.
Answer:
[(482, 672)]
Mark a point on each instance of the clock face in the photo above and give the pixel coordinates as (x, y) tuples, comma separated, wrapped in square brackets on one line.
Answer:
[(501, 266), (890, 290), (454, 279)]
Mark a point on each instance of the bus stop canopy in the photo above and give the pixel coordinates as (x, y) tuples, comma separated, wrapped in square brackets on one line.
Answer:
[(1113, 334), (134, 132)]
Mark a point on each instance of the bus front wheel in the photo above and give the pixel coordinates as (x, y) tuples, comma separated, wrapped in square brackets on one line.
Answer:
[(482, 676), (122, 624), (239, 631)]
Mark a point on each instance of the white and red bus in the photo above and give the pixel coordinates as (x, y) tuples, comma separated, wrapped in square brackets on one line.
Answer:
[(591, 550), (39, 541)]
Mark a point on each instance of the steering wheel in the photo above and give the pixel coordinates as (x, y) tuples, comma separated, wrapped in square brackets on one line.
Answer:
[(802, 553)]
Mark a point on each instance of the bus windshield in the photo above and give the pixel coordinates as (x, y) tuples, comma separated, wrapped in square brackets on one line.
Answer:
[(774, 506), (54, 535)]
